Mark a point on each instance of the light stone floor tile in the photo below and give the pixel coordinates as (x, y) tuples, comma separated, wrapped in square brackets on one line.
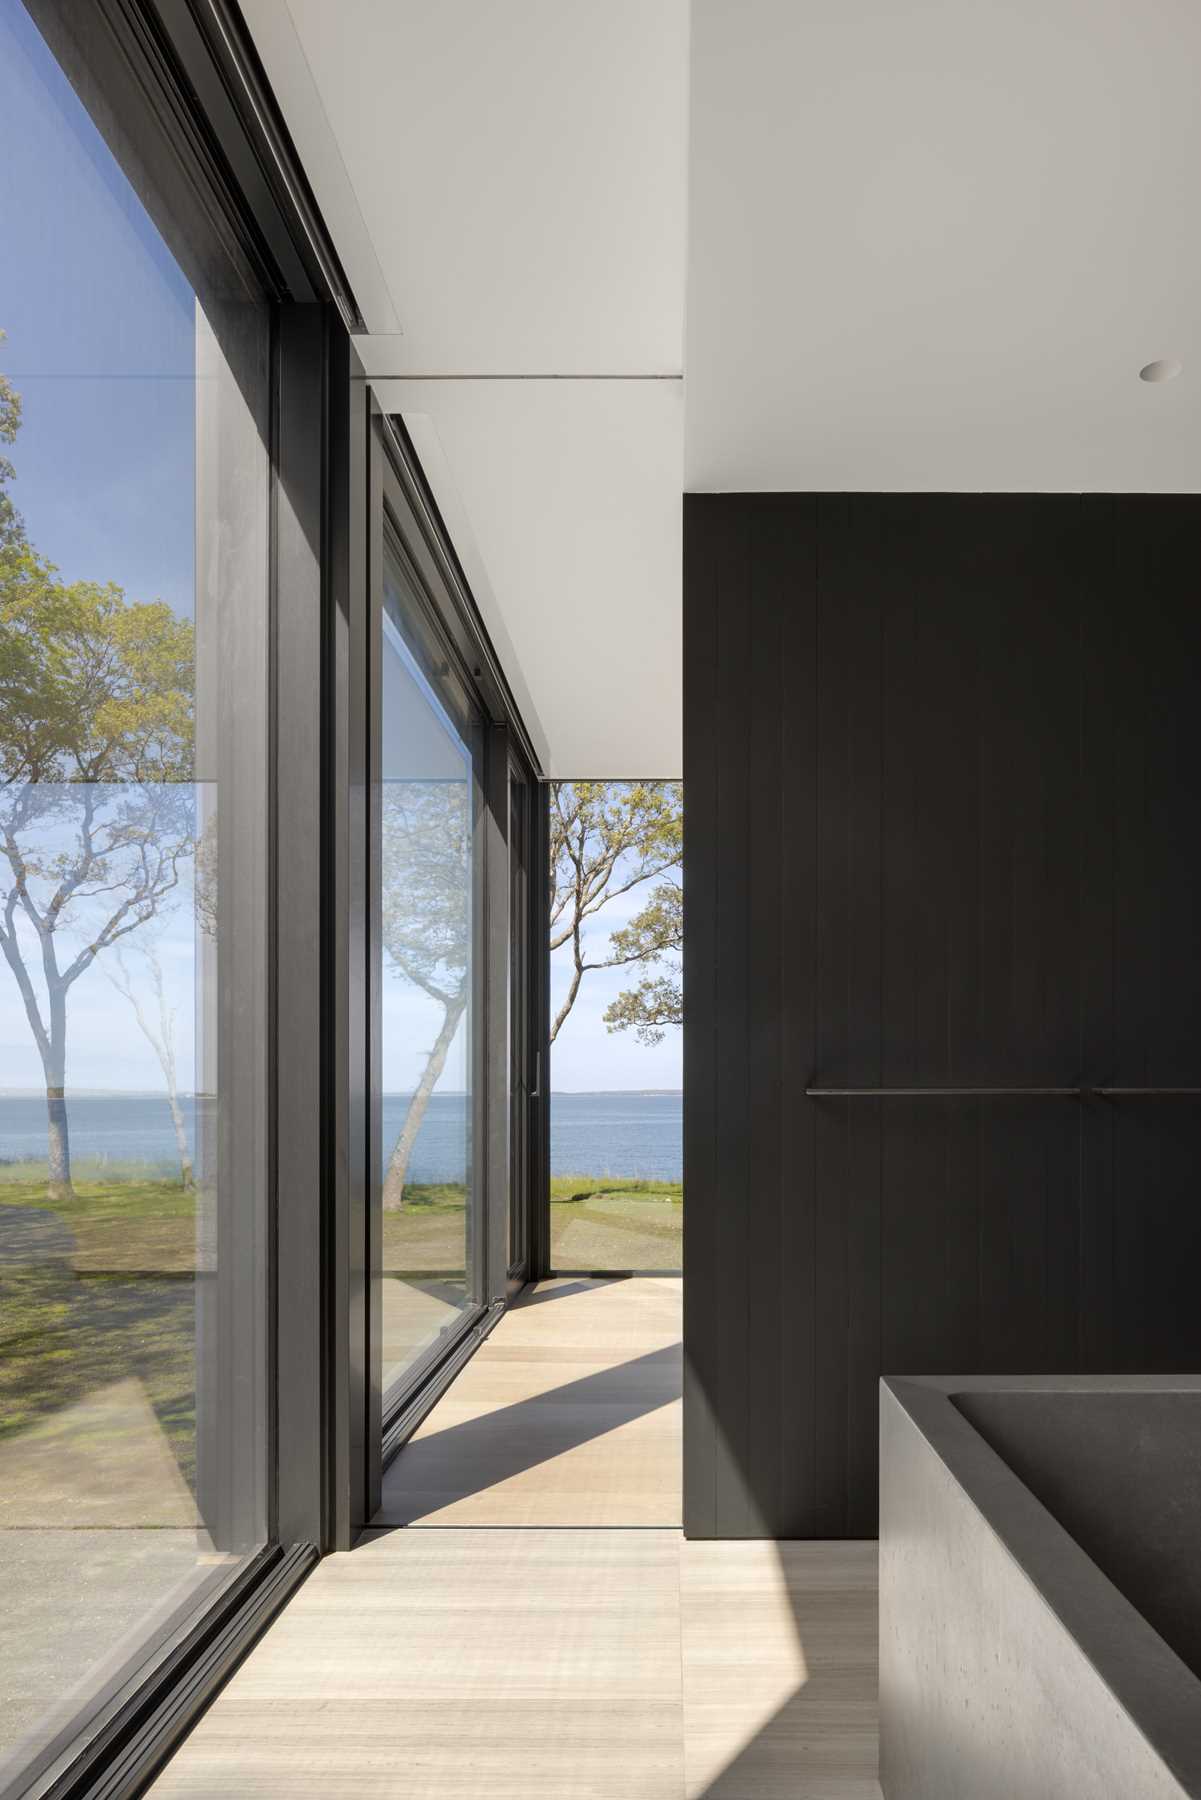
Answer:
[(453, 1663), (569, 1414), (779, 1658), (583, 1663)]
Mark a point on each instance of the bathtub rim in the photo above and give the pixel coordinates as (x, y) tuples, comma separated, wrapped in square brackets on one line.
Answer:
[(1154, 1687)]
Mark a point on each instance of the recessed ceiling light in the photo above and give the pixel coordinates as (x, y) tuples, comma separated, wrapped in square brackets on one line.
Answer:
[(1166, 369)]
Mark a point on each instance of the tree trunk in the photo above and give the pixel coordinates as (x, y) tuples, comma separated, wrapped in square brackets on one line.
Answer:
[(161, 1039), (52, 1048), (55, 1064), (394, 1180), (181, 1138), (59, 1147), (577, 976)]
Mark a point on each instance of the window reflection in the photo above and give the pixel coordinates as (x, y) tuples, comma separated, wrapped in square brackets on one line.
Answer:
[(133, 566), (426, 913)]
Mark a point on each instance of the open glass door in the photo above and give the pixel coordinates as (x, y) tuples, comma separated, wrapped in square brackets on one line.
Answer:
[(428, 943)]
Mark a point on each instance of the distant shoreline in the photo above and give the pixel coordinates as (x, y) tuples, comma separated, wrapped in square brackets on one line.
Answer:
[(634, 1133), (562, 1093), (89, 1093)]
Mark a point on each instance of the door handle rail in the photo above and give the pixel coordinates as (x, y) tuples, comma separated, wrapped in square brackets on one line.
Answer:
[(1143, 1093), (819, 1092), (943, 1093)]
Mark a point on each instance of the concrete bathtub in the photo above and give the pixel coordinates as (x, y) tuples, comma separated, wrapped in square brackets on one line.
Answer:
[(1040, 1588)]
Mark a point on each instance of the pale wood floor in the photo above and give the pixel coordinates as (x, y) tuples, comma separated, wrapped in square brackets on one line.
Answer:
[(569, 1414), (544, 1659)]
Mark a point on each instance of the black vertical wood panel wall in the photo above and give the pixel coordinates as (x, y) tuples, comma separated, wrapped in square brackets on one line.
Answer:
[(942, 766)]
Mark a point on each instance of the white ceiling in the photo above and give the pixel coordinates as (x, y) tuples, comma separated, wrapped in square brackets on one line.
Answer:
[(506, 187), (932, 243), (520, 169)]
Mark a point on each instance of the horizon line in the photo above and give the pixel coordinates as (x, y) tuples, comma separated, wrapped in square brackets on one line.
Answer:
[(86, 1091)]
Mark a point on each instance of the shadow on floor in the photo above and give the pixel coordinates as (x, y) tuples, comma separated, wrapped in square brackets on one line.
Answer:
[(811, 1730), (538, 1295), (480, 1453), (809, 1750)]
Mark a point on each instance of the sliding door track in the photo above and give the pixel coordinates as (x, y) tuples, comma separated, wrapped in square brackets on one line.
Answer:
[(403, 1419)]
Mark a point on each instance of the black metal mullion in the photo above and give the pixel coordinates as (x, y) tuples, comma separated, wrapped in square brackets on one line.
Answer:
[(118, 1761), (539, 927)]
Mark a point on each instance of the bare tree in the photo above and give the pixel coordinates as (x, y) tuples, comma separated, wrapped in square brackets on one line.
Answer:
[(159, 1031), (425, 923)]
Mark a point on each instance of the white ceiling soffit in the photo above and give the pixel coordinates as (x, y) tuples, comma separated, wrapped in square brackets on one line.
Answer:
[(506, 186), (932, 244), (564, 501), (520, 168), (283, 57)]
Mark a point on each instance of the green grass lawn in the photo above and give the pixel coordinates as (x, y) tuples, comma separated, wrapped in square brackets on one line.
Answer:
[(101, 1287), (93, 1290), (597, 1222), (427, 1237), (607, 1223)]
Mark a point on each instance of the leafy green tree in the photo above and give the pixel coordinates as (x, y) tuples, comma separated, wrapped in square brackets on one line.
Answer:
[(425, 926), (607, 837), (654, 935), (10, 424), (96, 808)]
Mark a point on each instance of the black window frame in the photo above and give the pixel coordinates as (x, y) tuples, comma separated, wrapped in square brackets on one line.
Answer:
[(430, 644), (141, 69), (526, 1059), (402, 506)]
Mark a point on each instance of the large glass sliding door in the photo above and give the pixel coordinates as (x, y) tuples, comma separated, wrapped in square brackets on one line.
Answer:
[(203, 1289), (429, 945), (452, 893), (134, 515)]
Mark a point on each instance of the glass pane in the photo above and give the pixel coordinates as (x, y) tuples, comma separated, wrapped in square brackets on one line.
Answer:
[(133, 568), (427, 911), (617, 937)]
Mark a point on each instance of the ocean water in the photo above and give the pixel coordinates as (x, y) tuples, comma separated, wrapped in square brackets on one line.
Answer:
[(591, 1134), (618, 1134)]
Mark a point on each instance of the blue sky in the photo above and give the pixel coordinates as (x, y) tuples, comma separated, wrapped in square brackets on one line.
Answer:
[(100, 342), (100, 346), (586, 1056)]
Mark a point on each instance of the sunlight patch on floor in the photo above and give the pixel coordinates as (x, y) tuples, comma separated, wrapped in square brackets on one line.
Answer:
[(778, 1645), (569, 1414)]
